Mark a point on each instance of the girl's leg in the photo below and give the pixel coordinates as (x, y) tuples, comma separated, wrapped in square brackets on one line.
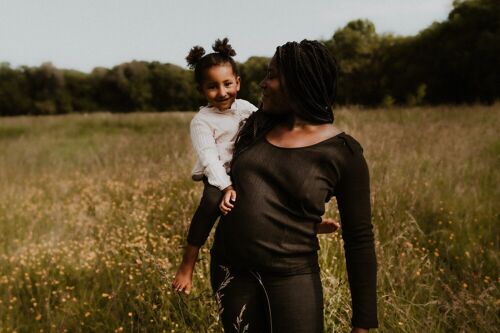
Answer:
[(183, 280), (242, 307), (199, 229), (296, 303), (205, 216)]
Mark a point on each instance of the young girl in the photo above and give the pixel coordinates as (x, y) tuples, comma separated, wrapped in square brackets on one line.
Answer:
[(213, 130)]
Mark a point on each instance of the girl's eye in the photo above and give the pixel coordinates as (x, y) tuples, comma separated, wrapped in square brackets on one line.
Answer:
[(228, 84)]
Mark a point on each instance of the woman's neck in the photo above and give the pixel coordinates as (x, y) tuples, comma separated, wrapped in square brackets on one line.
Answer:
[(296, 123)]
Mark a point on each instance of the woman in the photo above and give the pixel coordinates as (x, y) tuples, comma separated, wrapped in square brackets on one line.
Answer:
[(289, 160)]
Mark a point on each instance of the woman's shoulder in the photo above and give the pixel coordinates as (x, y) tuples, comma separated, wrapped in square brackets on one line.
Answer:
[(336, 137), (341, 150), (351, 142)]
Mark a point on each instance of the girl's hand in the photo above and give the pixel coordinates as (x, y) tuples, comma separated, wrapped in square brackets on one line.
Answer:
[(327, 226), (228, 200)]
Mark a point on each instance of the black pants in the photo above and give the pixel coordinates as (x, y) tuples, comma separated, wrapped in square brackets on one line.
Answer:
[(206, 214), (262, 303)]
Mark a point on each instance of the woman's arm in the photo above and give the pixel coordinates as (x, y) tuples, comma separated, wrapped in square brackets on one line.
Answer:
[(353, 199)]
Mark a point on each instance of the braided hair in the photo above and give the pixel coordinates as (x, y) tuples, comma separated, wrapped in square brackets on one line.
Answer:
[(199, 61), (308, 74)]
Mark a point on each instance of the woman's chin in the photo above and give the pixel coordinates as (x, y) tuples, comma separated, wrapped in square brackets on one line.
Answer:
[(265, 107), (274, 112)]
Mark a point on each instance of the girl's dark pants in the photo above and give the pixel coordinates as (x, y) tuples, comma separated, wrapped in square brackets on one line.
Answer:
[(285, 303), (206, 214)]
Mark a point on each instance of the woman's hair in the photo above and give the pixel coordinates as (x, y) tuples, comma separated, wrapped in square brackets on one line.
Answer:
[(308, 74), (254, 128), (199, 61)]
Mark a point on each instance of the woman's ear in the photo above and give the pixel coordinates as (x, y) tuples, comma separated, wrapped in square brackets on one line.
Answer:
[(238, 82)]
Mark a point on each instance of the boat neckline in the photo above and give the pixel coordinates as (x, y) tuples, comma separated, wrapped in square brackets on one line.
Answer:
[(303, 147)]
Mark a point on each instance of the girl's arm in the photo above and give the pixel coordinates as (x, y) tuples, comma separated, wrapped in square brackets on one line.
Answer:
[(228, 199), (203, 141)]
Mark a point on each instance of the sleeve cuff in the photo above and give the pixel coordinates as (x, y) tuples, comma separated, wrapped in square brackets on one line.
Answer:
[(220, 184)]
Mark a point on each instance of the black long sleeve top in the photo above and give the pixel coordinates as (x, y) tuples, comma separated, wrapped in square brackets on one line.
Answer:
[(281, 195)]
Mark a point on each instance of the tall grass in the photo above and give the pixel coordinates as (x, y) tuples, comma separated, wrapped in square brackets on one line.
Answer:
[(94, 212)]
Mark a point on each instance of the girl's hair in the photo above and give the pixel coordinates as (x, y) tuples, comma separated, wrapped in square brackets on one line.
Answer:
[(199, 61), (308, 73)]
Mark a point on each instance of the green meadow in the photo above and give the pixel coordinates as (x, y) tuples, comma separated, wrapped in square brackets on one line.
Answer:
[(94, 210)]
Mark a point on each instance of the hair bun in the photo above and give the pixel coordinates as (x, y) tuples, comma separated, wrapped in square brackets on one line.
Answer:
[(195, 54), (223, 47)]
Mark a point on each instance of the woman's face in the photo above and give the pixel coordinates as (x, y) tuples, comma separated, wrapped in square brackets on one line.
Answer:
[(274, 99)]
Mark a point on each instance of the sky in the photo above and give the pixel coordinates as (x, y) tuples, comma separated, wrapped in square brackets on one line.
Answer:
[(84, 34)]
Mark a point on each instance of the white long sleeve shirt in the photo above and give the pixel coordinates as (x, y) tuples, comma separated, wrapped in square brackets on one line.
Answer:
[(213, 133)]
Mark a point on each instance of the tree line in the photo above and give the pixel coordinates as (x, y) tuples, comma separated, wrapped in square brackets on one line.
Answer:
[(454, 61)]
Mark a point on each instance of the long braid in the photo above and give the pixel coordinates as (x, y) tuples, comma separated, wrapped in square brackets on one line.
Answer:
[(255, 127), (310, 76)]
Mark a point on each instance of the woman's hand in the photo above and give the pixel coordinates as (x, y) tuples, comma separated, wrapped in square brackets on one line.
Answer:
[(359, 330), (228, 200), (327, 226)]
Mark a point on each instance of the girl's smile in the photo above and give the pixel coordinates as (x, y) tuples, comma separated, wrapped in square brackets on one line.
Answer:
[(220, 86)]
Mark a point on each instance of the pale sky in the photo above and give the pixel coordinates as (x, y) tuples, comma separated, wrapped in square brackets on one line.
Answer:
[(83, 34)]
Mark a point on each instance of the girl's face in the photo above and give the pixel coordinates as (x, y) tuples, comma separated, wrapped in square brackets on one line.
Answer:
[(220, 86), (274, 99)]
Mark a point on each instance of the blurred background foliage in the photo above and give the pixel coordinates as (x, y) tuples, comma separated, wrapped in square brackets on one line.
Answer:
[(451, 62)]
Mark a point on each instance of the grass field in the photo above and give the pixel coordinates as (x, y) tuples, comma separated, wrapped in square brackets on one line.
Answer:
[(94, 210)]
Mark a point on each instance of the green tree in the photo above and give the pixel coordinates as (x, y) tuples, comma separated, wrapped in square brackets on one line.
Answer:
[(173, 88), (14, 92), (47, 90), (355, 48), (252, 72), (81, 89)]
